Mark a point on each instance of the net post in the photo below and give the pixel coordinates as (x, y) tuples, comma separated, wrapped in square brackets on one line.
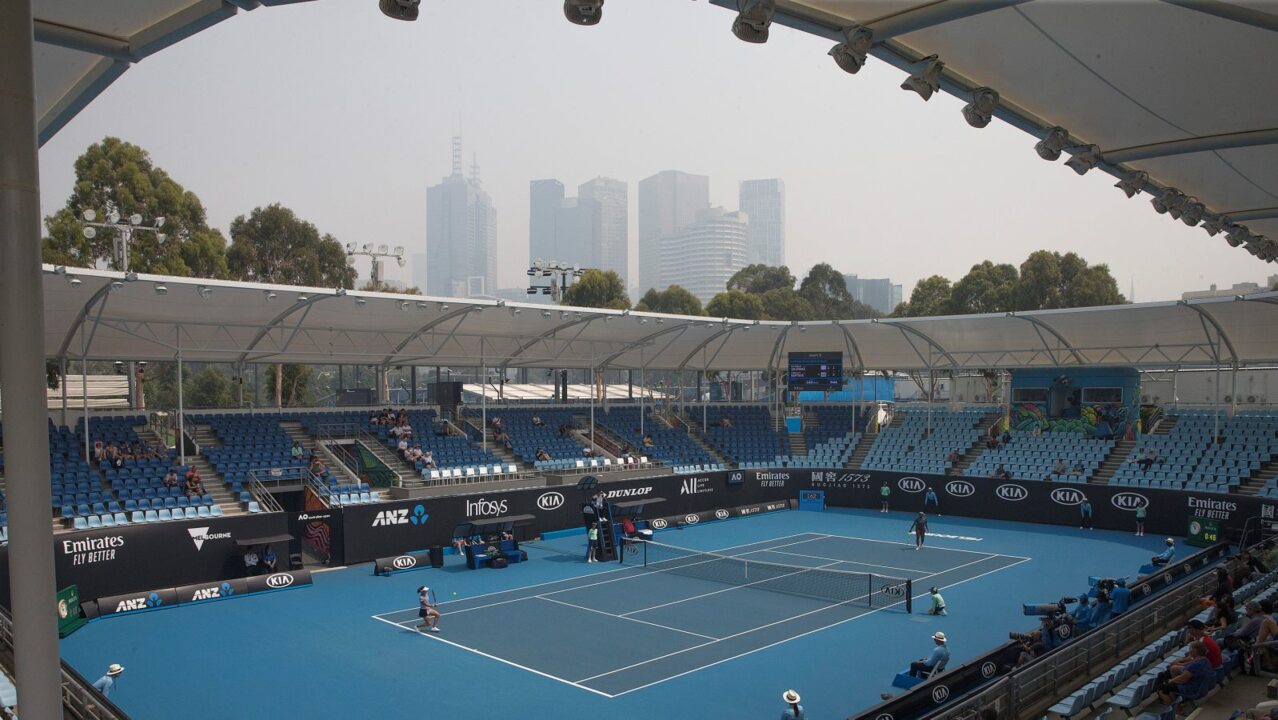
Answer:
[(909, 596)]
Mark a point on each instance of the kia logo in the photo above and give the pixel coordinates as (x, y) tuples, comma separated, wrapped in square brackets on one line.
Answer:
[(659, 524), (1129, 501), (885, 716), (403, 562), (911, 484), (1063, 631), (1068, 496), (940, 694), (894, 590), (692, 519), (960, 488), (988, 669), (279, 580), (1146, 589), (1015, 493), (550, 501), (721, 514)]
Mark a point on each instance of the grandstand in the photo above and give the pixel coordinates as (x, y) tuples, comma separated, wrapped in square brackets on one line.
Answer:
[(748, 440), (672, 446), (921, 440), (1035, 457), (1206, 452)]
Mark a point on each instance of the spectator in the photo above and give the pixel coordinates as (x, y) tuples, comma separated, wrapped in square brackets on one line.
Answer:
[(542, 454), (316, 467), (647, 441), (171, 478), (938, 602), (402, 445), (251, 562), (1078, 468), (725, 422), (1002, 474), (588, 451), (795, 711), (1036, 432), (296, 451), (930, 500), (991, 442), (1193, 681), (194, 486), (1253, 562), (1166, 555), (1196, 631), (953, 457), (1150, 458), (107, 682), (537, 421), (1246, 635), (1224, 587), (1085, 514), (924, 667), (1225, 614), (428, 460), (884, 493), (269, 561), (1060, 468), (1007, 437)]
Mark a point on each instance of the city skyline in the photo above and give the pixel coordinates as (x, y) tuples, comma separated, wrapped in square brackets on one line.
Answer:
[(461, 233)]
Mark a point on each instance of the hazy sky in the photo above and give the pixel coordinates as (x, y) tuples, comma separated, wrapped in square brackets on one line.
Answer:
[(346, 116)]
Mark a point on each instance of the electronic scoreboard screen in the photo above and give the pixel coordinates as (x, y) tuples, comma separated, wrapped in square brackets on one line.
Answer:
[(816, 371)]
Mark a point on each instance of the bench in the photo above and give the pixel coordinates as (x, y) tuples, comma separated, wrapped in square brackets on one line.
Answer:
[(475, 557), (905, 681)]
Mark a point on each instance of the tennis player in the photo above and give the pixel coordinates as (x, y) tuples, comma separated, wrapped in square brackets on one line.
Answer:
[(919, 528), (426, 610)]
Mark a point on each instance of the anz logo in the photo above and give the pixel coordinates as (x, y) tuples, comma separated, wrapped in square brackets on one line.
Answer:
[(140, 603), (1068, 496), (911, 484), (1013, 493), (211, 593), (401, 517), (1129, 501), (960, 488)]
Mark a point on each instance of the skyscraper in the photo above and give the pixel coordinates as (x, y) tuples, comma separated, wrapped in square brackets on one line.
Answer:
[(668, 201), (590, 230), (764, 202), (461, 234), (879, 293), (703, 256)]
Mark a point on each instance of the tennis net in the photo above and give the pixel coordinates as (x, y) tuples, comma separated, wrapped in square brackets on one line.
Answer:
[(832, 586)]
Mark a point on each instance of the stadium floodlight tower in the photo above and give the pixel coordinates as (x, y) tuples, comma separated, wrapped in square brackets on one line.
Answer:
[(376, 253), (123, 228), (561, 276)]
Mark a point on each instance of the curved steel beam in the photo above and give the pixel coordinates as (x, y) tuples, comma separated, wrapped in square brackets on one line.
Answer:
[(548, 334), (84, 313), (427, 328), (275, 321), (856, 349), (915, 331), (640, 343), (701, 346), (1206, 143), (776, 347), (1252, 214), (1220, 332), (1230, 11), (1078, 358)]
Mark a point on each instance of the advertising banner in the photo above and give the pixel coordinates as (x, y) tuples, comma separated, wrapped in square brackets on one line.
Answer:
[(197, 592), (407, 561), (69, 617)]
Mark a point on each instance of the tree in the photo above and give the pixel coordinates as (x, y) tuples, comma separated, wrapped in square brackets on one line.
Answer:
[(931, 297), (208, 389), (291, 385), (785, 304), (598, 289), (759, 279), (273, 245), (674, 300), (379, 286), (986, 288), (1093, 286), (1049, 280), (735, 304), (114, 175), (825, 289)]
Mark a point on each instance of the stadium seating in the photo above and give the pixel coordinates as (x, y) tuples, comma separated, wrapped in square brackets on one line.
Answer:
[(912, 447), (749, 440), (1189, 456), (1028, 457), (526, 438), (671, 446)]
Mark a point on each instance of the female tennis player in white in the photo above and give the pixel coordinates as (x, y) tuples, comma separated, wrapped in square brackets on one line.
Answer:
[(426, 610)]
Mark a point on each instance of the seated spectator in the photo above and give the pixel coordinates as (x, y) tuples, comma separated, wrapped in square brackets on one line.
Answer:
[(1060, 468), (1007, 437), (1078, 468), (1224, 587), (542, 454), (402, 445), (415, 453), (495, 423), (171, 478), (537, 422), (1225, 614), (1166, 555), (991, 443), (297, 451), (194, 487), (1253, 562), (588, 452), (1036, 432), (99, 450), (251, 562), (269, 561), (1150, 458), (428, 460), (953, 457), (647, 441), (725, 422), (316, 467), (924, 667), (503, 437), (1194, 680), (1001, 473)]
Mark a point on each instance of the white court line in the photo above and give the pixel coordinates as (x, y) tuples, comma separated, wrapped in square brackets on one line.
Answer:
[(611, 615), (727, 589), (583, 577), (934, 547), (435, 636), (786, 640), (836, 560)]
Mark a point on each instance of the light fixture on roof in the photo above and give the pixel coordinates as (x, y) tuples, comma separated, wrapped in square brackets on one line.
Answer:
[(443, 307), (350, 247), (117, 286), (1191, 213), (1170, 198), (850, 54), (269, 294), (515, 311), (661, 321), (90, 233), (361, 301), (340, 292), (383, 249), (130, 276), (135, 219), (1215, 224), (74, 281), (545, 313), (980, 111), (643, 321), (1132, 184), (926, 78), (398, 251), (205, 291), (1049, 148), (754, 17), (1086, 159), (400, 9), (583, 12), (89, 214), (422, 306), (161, 289), (1237, 235), (403, 305)]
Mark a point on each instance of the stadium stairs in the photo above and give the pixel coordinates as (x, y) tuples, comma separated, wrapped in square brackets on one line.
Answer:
[(295, 431), (798, 442), (699, 436), (862, 449), (1262, 477), (970, 455), (392, 460), (506, 456), (214, 483), (1112, 462)]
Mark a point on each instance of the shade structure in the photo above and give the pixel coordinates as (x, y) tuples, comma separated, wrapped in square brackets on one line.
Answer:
[(147, 317)]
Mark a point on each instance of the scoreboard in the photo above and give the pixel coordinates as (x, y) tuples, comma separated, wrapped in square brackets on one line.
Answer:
[(816, 371), (1203, 532)]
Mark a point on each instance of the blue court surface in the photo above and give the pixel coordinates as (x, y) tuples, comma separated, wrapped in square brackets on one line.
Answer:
[(558, 638)]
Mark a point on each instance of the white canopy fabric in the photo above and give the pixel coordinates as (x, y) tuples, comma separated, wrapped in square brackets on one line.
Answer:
[(110, 316)]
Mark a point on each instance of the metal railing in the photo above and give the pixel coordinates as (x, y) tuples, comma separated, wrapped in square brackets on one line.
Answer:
[(262, 495), (336, 433), (79, 699)]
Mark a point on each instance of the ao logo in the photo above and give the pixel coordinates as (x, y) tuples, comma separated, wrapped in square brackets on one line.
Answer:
[(1129, 501), (911, 484), (1068, 496), (1014, 493), (279, 580), (940, 694), (403, 562), (721, 514), (736, 477), (550, 501), (692, 518), (960, 488), (988, 669), (659, 524)]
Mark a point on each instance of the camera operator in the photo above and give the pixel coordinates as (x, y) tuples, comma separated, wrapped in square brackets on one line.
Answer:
[(1120, 596)]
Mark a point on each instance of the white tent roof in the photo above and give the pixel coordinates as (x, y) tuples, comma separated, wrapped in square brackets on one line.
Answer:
[(128, 319)]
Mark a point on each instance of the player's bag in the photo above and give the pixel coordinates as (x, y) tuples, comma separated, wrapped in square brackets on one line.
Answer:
[(499, 562)]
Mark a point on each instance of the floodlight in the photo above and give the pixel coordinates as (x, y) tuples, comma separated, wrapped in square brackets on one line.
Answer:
[(850, 54), (1133, 183), (926, 78), (443, 307), (399, 251), (117, 286), (980, 111), (545, 313), (1049, 148), (350, 247), (161, 289), (1167, 200), (400, 9), (1085, 160), (119, 367), (383, 250), (532, 291), (159, 222), (161, 237), (422, 306), (545, 291), (1237, 235), (360, 301), (1191, 213), (532, 272), (74, 281), (368, 247), (90, 214), (135, 219), (90, 232), (754, 17), (269, 295), (130, 276), (205, 291), (340, 292), (403, 305), (583, 12), (399, 261), (60, 270), (1214, 224), (515, 311), (113, 216)]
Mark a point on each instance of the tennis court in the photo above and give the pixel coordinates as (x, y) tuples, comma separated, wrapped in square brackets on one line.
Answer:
[(614, 632)]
